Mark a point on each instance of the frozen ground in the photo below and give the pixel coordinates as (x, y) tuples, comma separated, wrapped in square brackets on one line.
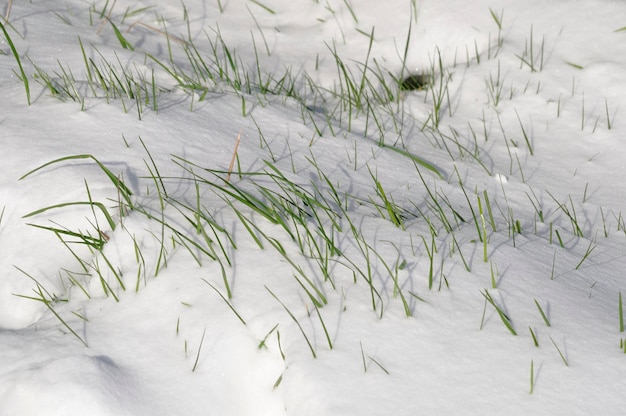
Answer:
[(361, 250)]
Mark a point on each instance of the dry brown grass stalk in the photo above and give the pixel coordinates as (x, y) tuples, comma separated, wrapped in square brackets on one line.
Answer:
[(8, 13), (232, 161)]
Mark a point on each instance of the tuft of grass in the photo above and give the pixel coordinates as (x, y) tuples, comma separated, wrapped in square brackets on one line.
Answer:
[(62, 84), (590, 248), (48, 300), (393, 212), (571, 214), (96, 242), (439, 92), (495, 87), (528, 56)]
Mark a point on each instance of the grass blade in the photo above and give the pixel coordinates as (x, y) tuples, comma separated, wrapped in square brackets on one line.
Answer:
[(195, 364), (621, 314), (41, 297), (125, 44), (560, 353), (532, 376), (423, 163), (19, 62), (225, 300), (92, 204), (291, 315), (543, 315), (503, 316), (124, 190)]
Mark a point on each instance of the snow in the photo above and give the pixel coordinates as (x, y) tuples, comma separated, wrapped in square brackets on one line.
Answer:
[(548, 156)]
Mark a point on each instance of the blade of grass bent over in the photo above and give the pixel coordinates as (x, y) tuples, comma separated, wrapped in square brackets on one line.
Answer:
[(124, 190), (96, 204), (423, 163)]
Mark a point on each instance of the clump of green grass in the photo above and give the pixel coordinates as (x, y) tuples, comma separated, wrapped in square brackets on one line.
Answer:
[(529, 58), (315, 217), (439, 93), (48, 299), (94, 241), (392, 210)]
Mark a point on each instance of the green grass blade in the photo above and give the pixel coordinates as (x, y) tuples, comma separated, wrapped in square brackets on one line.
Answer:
[(125, 192), (96, 204), (532, 376), (423, 163), (263, 6), (291, 315), (195, 364), (19, 62), (543, 315), (503, 316), (621, 314), (42, 298), (125, 44), (560, 353), (88, 240), (232, 308)]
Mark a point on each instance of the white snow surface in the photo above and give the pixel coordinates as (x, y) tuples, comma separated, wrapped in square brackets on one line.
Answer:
[(163, 338)]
